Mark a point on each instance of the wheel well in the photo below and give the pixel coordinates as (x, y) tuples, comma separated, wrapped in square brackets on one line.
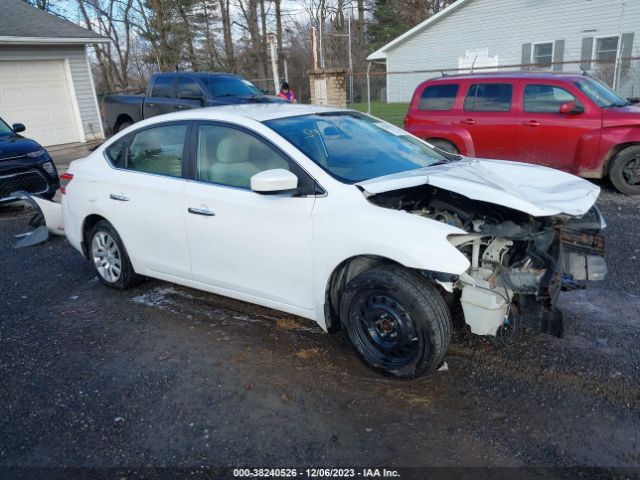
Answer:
[(122, 118), (445, 140), (338, 281), (87, 225), (613, 153)]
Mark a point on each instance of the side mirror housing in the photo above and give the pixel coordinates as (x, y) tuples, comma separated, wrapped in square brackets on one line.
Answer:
[(277, 180), (18, 127), (571, 108)]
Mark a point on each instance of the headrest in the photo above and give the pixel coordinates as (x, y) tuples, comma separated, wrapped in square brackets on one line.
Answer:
[(233, 149)]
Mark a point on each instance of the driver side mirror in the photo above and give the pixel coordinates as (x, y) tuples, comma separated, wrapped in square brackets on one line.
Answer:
[(277, 180), (571, 108), (18, 127)]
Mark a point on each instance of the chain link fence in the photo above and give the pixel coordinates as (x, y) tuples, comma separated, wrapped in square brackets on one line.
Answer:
[(379, 86)]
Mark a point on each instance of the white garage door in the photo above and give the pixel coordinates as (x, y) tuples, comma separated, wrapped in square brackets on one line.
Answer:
[(37, 93)]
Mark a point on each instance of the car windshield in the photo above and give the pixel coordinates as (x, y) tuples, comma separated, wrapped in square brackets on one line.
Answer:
[(354, 147), (602, 95), (221, 86), (5, 130)]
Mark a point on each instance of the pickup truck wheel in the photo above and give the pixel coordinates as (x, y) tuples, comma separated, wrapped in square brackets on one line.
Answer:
[(625, 171), (443, 145), (110, 258), (396, 321)]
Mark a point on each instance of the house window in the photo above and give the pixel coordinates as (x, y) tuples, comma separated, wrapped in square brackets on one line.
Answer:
[(543, 54), (606, 49)]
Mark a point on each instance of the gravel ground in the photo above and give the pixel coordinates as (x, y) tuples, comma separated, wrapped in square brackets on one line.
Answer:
[(167, 376)]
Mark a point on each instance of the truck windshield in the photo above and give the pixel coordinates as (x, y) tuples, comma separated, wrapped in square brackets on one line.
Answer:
[(601, 94), (231, 87), (353, 147), (5, 130)]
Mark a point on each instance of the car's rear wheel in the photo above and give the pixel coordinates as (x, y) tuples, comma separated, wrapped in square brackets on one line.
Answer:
[(445, 145), (123, 124), (625, 171), (110, 258), (396, 321)]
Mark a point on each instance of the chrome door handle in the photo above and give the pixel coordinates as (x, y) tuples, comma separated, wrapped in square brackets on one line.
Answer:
[(532, 123), (181, 107), (468, 121), (201, 211), (119, 198)]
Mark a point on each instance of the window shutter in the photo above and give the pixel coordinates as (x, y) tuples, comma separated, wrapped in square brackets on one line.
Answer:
[(526, 56), (558, 54), (587, 53), (625, 50)]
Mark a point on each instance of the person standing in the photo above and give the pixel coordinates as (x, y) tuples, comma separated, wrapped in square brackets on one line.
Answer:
[(287, 94)]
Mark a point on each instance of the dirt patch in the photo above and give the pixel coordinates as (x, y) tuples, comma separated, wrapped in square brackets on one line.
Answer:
[(308, 353), (288, 324)]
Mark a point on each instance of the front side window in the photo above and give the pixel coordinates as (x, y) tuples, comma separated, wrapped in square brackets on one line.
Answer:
[(163, 87), (228, 156), (354, 147), (489, 97), (546, 98), (158, 150), (606, 49), (438, 97), (224, 86), (543, 54)]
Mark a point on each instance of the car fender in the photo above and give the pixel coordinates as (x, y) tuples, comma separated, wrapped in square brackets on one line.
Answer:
[(459, 136), (613, 140), (404, 238)]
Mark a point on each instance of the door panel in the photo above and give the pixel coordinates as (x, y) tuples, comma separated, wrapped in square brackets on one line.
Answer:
[(488, 115), (162, 98), (546, 137), (254, 244)]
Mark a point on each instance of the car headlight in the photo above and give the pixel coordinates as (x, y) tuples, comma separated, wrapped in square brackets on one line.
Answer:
[(37, 153), (49, 168)]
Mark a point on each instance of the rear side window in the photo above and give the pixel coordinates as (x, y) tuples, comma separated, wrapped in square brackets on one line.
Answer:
[(163, 87), (489, 97), (438, 97), (546, 98), (116, 152), (158, 150)]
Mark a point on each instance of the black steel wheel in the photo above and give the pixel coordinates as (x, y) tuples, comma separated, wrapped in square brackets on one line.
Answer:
[(396, 321), (625, 171)]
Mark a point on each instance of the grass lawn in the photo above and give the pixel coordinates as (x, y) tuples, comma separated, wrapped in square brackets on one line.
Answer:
[(391, 112)]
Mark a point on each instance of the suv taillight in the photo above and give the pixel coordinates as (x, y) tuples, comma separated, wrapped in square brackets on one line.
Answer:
[(65, 178)]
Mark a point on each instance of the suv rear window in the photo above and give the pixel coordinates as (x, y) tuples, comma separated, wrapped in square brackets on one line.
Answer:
[(438, 97), (489, 97)]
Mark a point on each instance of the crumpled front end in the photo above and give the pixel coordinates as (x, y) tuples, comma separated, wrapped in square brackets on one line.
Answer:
[(519, 262), (522, 268)]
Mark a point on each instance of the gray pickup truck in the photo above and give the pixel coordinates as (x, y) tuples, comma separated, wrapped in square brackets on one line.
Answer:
[(171, 92)]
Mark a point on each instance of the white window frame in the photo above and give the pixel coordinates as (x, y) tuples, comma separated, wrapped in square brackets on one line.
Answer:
[(594, 53), (533, 54)]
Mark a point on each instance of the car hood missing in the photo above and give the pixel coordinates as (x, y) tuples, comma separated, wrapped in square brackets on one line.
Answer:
[(536, 190)]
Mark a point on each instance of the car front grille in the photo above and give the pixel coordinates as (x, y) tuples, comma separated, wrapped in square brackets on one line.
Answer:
[(30, 181)]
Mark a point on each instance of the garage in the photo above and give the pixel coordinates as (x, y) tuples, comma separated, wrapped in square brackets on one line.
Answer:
[(45, 78), (48, 108)]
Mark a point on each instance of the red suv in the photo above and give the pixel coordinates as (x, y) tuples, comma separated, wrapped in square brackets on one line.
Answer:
[(569, 122)]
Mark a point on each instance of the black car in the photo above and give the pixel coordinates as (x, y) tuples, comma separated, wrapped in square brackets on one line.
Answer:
[(24, 165)]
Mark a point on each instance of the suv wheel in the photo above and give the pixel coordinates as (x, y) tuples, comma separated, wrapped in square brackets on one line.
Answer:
[(444, 145), (396, 321), (625, 171), (109, 257)]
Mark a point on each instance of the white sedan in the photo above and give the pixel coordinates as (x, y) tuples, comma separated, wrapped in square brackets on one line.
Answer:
[(335, 216)]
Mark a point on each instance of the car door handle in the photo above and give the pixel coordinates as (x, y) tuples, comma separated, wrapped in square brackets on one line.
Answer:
[(151, 104), (468, 121), (201, 211), (119, 198), (532, 123), (181, 107)]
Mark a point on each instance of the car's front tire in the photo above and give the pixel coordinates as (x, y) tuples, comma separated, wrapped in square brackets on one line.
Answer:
[(625, 171), (110, 258), (396, 321)]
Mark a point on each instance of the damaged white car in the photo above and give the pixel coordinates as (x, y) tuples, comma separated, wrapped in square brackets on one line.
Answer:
[(335, 216)]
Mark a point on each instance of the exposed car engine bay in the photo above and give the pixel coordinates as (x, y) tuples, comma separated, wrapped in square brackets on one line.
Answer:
[(519, 263)]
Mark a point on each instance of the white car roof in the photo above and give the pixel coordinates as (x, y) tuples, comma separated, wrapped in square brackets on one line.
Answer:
[(262, 111)]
